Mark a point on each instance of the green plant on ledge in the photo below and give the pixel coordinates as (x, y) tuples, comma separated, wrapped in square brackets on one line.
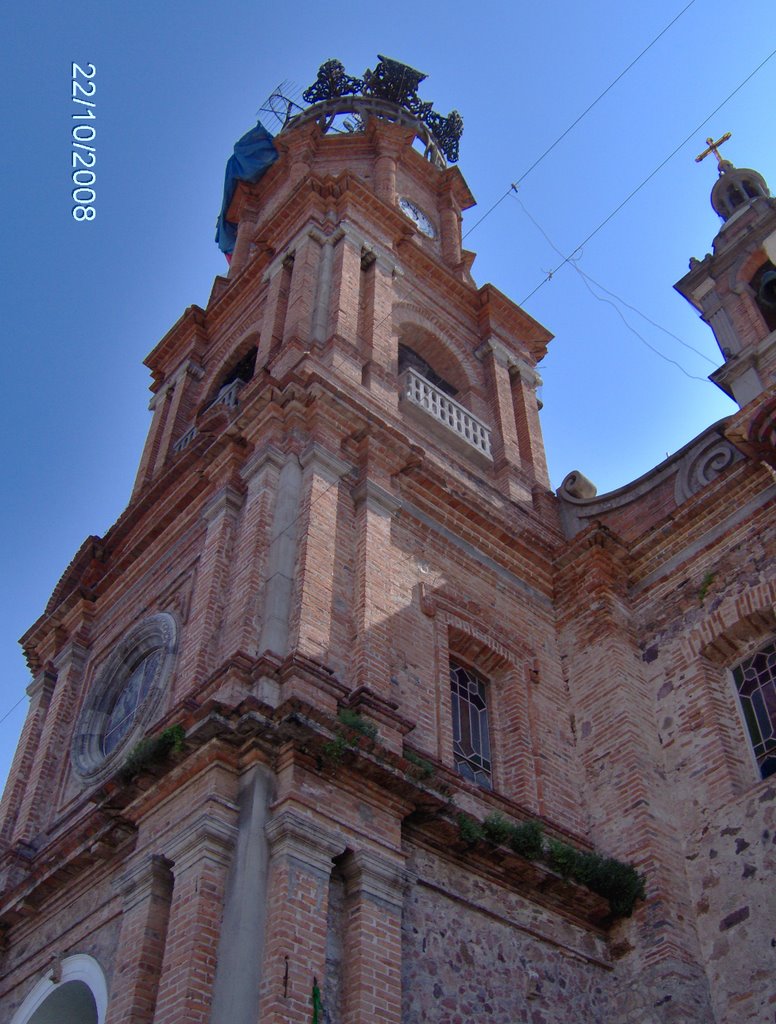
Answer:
[(151, 751), (333, 751), (421, 768), (469, 830), (616, 881), (352, 720)]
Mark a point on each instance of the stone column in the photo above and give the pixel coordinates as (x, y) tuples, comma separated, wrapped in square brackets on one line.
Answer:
[(201, 854), (372, 939), (301, 863), (146, 888), (241, 946)]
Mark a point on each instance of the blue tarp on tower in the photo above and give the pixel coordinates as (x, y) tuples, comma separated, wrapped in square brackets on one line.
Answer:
[(253, 155)]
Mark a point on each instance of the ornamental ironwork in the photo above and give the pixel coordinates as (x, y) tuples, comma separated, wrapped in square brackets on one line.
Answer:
[(394, 83), (332, 82)]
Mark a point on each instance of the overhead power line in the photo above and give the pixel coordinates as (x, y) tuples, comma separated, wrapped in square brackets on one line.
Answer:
[(648, 178), (588, 280), (584, 113)]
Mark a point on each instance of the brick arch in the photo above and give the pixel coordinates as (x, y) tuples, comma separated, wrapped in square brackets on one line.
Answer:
[(739, 622), (216, 374), (470, 636), (745, 268), (79, 971), (438, 345)]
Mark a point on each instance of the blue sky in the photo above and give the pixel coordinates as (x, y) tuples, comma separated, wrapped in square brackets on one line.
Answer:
[(178, 83)]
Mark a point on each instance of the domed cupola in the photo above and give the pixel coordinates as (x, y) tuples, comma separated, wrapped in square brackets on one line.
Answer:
[(735, 188)]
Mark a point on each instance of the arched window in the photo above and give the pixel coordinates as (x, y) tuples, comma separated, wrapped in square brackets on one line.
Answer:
[(755, 679), (471, 734), (233, 379), (409, 358), (763, 284), (79, 996)]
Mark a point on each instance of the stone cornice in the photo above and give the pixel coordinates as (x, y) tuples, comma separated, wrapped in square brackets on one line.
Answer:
[(295, 835), (150, 874), (187, 337)]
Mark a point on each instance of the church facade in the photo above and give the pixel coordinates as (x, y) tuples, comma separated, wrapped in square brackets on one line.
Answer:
[(348, 717)]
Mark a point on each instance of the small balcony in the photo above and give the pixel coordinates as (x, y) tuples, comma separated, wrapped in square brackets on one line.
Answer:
[(448, 418)]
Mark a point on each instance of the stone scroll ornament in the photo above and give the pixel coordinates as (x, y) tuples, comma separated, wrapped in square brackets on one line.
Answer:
[(395, 82)]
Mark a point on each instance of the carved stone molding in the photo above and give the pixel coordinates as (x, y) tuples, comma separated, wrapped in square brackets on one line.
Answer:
[(206, 837), (150, 875), (376, 877), (702, 464), (227, 500), (377, 499), (291, 834), (324, 462)]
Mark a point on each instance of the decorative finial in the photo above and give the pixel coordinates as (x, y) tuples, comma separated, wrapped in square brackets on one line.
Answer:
[(713, 147)]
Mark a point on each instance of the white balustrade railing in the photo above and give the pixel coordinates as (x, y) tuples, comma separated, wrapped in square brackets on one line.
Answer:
[(445, 410), (228, 394), (185, 441)]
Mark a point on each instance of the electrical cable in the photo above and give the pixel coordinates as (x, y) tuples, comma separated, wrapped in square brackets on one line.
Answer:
[(649, 177), (10, 710), (573, 125), (587, 278)]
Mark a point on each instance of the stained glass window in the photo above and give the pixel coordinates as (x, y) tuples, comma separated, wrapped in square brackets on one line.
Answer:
[(755, 679), (471, 741), (124, 711)]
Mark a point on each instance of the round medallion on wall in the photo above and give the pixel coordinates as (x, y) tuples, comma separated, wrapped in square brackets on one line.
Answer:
[(125, 694), (420, 219)]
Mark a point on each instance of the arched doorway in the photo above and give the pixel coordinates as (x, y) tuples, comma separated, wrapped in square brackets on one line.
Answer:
[(79, 997)]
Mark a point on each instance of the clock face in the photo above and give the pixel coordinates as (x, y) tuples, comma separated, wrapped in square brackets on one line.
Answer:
[(417, 216)]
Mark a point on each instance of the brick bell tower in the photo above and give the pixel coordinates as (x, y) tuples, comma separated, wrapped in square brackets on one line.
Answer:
[(271, 705)]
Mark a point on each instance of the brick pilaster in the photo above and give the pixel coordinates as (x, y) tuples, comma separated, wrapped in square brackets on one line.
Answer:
[(372, 939), (504, 439), (200, 854), (629, 802), (300, 868), (206, 618), (39, 691), (146, 887), (375, 507), (318, 557), (37, 804), (260, 475)]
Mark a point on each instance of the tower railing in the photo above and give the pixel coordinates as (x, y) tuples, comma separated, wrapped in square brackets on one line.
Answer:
[(226, 396), (446, 411)]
